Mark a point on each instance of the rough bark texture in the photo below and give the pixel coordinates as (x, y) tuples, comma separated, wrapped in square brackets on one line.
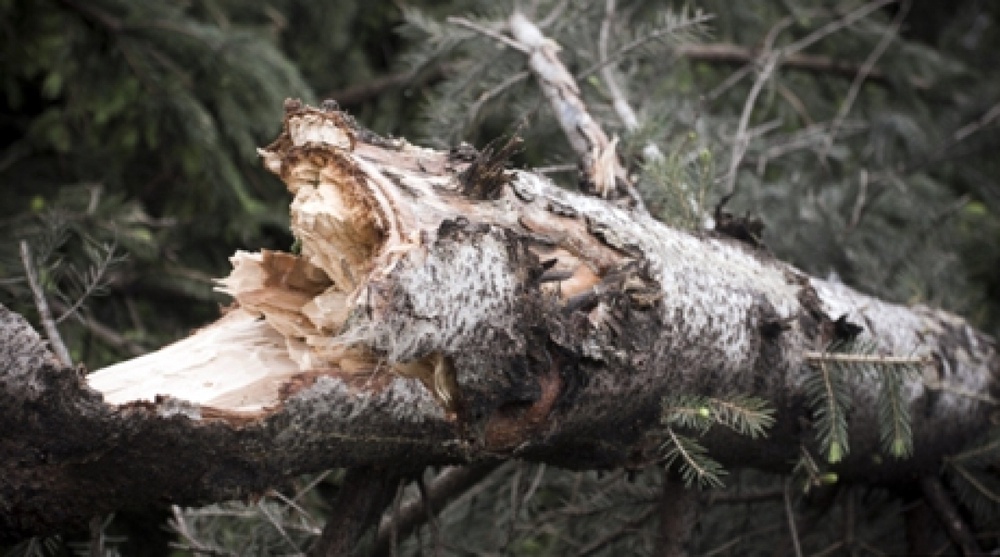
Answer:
[(444, 309)]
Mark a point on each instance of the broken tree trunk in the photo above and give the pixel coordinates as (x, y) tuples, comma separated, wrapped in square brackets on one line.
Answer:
[(445, 309)]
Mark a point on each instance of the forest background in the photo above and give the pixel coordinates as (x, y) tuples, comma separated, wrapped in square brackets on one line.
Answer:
[(128, 164)]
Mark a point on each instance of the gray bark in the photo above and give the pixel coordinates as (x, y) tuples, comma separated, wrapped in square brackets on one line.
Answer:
[(446, 310)]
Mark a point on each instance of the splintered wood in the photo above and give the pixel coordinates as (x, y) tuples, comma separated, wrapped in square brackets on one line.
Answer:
[(361, 205)]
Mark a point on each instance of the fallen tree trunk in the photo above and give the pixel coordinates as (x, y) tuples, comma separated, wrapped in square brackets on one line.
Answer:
[(444, 309)]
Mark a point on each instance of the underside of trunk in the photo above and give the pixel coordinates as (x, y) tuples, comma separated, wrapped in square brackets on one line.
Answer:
[(443, 308)]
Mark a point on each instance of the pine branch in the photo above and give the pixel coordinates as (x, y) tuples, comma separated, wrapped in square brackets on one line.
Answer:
[(894, 413), (92, 281), (743, 414), (695, 464), (687, 411), (831, 402), (769, 61)]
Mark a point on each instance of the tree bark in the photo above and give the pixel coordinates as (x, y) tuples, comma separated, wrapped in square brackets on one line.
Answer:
[(445, 309)]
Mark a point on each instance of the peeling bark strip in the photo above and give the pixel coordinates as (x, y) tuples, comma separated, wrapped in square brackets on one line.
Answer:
[(421, 325)]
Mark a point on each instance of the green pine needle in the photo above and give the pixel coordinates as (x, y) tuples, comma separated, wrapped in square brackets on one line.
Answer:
[(743, 414), (695, 465), (830, 401)]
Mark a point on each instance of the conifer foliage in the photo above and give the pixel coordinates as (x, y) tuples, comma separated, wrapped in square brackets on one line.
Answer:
[(861, 133)]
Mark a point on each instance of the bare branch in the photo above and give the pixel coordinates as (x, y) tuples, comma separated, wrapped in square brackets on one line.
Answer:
[(727, 53), (949, 516), (866, 69), (364, 494), (42, 304), (790, 515), (495, 35), (770, 60), (359, 93)]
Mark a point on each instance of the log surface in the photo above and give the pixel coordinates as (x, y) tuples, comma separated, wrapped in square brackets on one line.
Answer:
[(447, 309)]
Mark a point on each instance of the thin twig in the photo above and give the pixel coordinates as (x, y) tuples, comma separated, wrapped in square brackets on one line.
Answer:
[(486, 96), (982, 489), (849, 517), (770, 61), (621, 52), (866, 68), (515, 504), (43, 307), (180, 526), (431, 515), (110, 336), (553, 15), (741, 538), (556, 168), (262, 506), (452, 486), (359, 93), (790, 514), (495, 35), (829, 550), (859, 205), (935, 157), (290, 503), (741, 141), (819, 357), (836, 25), (734, 54), (394, 523), (309, 486), (949, 516), (97, 525), (622, 107), (535, 483), (728, 498), (92, 281), (618, 533)]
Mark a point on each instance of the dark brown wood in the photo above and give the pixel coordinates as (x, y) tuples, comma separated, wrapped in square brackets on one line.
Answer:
[(364, 495), (942, 505), (443, 490), (678, 512)]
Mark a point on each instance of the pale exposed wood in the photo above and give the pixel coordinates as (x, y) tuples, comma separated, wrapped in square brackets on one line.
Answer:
[(239, 363)]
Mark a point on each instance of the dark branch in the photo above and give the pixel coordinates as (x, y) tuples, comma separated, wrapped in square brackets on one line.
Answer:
[(365, 493), (446, 488), (946, 512)]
